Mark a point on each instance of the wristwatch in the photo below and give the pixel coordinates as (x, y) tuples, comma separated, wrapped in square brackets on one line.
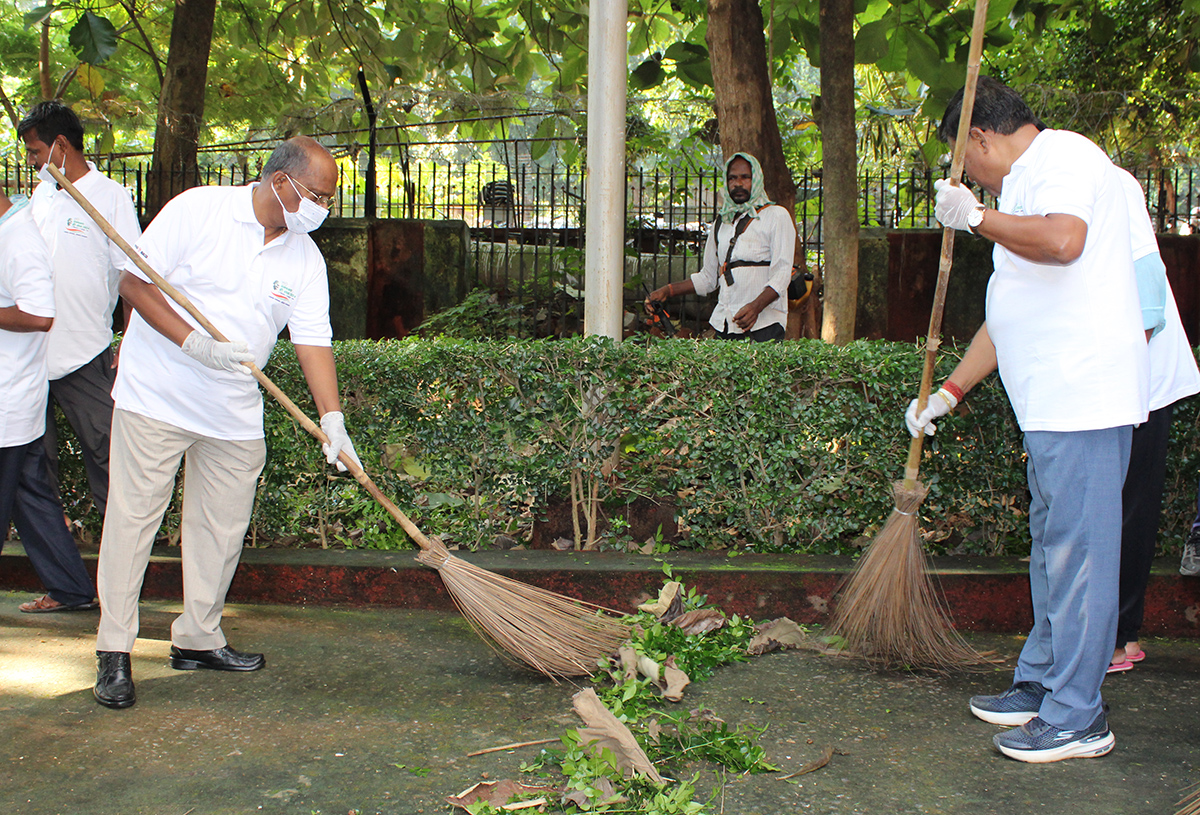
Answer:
[(975, 217)]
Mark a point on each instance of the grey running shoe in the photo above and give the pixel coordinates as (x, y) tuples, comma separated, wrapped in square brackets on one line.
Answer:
[(1015, 706), (1039, 743), (1189, 564)]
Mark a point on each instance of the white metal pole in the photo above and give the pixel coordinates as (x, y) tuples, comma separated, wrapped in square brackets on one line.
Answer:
[(604, 236)]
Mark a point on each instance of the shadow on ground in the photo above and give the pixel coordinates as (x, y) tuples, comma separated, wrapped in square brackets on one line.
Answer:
[(374, 711)]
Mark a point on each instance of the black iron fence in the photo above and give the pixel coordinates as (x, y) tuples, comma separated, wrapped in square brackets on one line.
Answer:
[(527, 222)]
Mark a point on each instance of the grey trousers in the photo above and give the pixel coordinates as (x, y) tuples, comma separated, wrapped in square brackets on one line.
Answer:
[(85, 398), (218, 496), (28, 499)]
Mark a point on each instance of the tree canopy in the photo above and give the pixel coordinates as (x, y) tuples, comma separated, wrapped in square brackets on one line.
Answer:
[(1123, 71)]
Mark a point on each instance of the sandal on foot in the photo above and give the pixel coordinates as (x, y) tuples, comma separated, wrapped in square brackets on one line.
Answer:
[(1138, 657), (48, 605), (1118, 667)]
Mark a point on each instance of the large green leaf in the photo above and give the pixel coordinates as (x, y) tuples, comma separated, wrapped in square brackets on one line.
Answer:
[(648, 74), (39, 15), (93, 38), (870, 44)]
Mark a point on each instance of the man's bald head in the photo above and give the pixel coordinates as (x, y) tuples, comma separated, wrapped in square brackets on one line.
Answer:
[(297, 157)]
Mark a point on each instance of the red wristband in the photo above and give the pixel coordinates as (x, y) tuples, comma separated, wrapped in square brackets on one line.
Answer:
[(955, 390)]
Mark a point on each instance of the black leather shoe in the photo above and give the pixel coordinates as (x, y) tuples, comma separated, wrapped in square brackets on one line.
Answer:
[(114, 679), (219, 659)]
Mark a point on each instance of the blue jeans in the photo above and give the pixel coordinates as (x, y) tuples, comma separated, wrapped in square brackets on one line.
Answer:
[(1075, 482)]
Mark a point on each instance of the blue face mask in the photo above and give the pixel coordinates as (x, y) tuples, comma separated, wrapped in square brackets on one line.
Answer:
[(19, 202)]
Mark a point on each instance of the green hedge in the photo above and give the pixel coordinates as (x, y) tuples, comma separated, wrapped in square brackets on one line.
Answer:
[(765, 447)]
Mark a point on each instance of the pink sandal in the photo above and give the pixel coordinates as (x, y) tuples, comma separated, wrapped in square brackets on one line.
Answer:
[(1118, 667), (1138, 657)]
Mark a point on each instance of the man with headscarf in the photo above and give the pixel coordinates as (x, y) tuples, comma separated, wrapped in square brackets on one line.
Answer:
[(748, 255)]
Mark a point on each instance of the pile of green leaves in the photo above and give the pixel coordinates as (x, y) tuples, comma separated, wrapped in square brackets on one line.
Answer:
[(776, 447), (674, 741)]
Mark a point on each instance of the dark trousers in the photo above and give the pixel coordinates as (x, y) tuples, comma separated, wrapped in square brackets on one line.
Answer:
[(85, 398), (28, 499), (1141, 505), (771, 332)]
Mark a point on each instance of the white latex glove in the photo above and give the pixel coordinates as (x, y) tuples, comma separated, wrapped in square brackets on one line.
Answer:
[(334, 425), (220, 356), (954, 203), (939, 405)]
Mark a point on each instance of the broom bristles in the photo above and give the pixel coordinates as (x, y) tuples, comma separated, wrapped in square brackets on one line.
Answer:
[(553, 634), (889, 611)]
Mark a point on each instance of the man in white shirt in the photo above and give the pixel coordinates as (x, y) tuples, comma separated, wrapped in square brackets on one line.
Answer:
[(1173, 376), (241, 255), (1064, 330), (85, 285), (748, 256), (26, 495)]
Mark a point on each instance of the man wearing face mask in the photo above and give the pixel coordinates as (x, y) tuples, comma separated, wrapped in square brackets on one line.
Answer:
[(242, 255), (748, 256), (86, 264)]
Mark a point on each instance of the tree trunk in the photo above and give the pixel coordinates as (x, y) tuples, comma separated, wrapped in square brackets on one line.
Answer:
[(742, 90), (839, 219), (44, 63), (181, 104)]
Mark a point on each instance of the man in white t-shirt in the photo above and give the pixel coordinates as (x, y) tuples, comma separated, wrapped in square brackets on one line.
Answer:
[(26, 495), (85, 284), (1173, 376), (748, 256), (1064, 330), (241, 255)]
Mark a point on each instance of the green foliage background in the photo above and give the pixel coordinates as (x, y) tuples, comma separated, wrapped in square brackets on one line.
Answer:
[(765, 447)]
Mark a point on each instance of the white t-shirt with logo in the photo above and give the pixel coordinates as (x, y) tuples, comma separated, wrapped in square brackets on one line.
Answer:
[(25, 282), (207, 243), (1069, 340), (86, 264), (1173, 372)]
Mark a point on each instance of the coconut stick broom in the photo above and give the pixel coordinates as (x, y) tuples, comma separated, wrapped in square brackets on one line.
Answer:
[(554, 634), (890, 611)]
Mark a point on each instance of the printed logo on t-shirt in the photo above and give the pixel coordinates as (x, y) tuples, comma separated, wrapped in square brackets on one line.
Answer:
[(282, 293), (78, 227)]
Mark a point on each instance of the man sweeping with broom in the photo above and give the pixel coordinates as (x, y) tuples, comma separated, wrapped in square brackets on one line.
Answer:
[(243, 255), (1064, 330)]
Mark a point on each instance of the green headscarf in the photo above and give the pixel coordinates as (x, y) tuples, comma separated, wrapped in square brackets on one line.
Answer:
[(729, 209)]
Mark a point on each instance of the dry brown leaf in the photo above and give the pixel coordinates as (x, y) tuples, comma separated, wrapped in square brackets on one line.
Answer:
[(495, 793), (670, 594), (604, 730), (629, 659), (564, 544), (649, 669), (676, 681), (607, 794), (700, 621), (702, 714), (813, 765), (779, 633)]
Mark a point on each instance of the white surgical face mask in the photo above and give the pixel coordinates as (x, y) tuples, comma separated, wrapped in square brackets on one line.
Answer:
[(44, 173), (307, 217)]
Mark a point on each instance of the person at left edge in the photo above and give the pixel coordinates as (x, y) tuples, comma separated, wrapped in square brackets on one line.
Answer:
[(26, 495), (748, 256), (86, 271), (241, 255)]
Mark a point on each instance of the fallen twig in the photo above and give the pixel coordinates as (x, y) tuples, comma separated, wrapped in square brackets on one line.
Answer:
[(512, 746)]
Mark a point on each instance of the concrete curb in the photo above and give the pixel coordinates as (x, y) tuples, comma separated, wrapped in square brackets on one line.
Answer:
[(982, 594)]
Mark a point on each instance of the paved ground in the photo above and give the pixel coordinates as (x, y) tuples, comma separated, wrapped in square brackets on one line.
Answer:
[(373, 711)]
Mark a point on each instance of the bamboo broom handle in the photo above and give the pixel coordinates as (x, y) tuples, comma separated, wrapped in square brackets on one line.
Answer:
[(934, 338), (299, 415)]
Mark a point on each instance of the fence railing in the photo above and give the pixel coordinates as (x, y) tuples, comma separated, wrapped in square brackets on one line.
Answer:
[(527, 222)]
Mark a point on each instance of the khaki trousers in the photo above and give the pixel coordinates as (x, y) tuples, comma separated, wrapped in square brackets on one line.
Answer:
[(219, 483)]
